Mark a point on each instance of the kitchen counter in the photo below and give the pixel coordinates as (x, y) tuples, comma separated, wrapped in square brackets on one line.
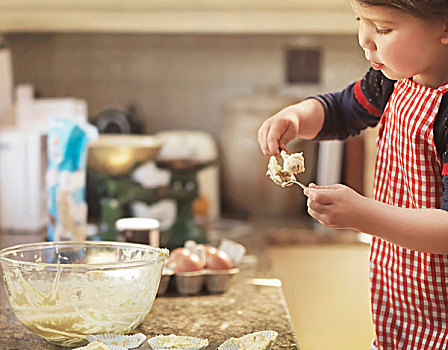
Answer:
[(254, 302), (302, 231)]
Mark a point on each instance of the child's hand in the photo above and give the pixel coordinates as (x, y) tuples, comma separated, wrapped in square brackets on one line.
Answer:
[(336, 206), (277, 131)]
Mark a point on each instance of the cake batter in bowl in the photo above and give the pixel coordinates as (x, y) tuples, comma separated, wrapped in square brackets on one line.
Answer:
[(64, 291)]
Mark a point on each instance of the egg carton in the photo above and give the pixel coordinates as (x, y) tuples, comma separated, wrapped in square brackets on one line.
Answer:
[(212, 281), (190, 283)]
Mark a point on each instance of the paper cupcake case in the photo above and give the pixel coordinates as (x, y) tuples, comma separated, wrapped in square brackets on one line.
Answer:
[(110, 347), (122, 341), (265, 340), (172, 341)]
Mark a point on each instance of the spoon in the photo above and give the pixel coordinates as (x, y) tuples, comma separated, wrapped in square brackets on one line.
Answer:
[(286, 183)]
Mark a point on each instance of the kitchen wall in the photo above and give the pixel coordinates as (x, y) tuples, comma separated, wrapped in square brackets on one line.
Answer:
[(176, 81)]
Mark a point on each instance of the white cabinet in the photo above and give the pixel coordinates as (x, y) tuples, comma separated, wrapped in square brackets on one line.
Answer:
[(178, 16), (326, 287)]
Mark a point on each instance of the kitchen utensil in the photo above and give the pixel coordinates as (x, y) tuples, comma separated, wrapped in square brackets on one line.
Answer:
[(115, 121), (118, 154), (184, 188), (135, 228), (286, 183), (112, 159), (199, 146), (64, 291)]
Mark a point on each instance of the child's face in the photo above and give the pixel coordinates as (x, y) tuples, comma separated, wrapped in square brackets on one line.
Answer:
[(402, 45)]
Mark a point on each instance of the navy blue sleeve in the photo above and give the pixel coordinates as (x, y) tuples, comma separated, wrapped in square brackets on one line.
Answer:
[(355, 108), (444, 198)]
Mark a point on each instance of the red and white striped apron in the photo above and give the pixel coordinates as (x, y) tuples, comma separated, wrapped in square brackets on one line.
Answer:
[(409, 293)]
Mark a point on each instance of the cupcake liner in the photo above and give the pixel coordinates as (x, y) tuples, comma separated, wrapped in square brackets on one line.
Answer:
[(264, 338), (125, 341), (110, 347), (172, 341), (229, 344)]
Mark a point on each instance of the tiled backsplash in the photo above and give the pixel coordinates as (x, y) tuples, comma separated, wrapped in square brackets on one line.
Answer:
[(176, 81)]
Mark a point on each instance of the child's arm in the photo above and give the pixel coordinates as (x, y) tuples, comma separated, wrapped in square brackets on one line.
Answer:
[(336, 115), (339, 206), (304, 120)]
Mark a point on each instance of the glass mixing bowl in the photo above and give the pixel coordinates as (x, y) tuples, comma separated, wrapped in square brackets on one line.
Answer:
[(64, 291)]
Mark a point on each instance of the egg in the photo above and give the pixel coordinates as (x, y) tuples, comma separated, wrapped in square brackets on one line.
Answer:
[(171, 261), (187, 262), (218, 260), (210, 249), (176, 252)]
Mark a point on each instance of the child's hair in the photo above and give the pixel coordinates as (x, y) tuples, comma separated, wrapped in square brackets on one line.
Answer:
[(426, 9)]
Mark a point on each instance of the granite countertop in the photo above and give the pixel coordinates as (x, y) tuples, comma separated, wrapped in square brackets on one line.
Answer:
[(254, 302), (302, 231)]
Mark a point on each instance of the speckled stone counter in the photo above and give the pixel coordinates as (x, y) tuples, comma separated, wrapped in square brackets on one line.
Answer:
[(253, 302)]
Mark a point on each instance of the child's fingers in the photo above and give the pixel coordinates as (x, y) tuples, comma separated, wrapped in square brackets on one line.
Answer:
[(316, 215), (262, 136), (287, 135), (272, 141), (268, 138), (317, 207), (283, 146), (326, 187), (320, 195)]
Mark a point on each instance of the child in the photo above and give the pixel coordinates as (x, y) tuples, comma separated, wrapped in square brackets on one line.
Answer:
[(406, 42)]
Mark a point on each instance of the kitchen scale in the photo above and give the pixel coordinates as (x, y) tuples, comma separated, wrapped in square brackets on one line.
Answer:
[(111, 161)]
